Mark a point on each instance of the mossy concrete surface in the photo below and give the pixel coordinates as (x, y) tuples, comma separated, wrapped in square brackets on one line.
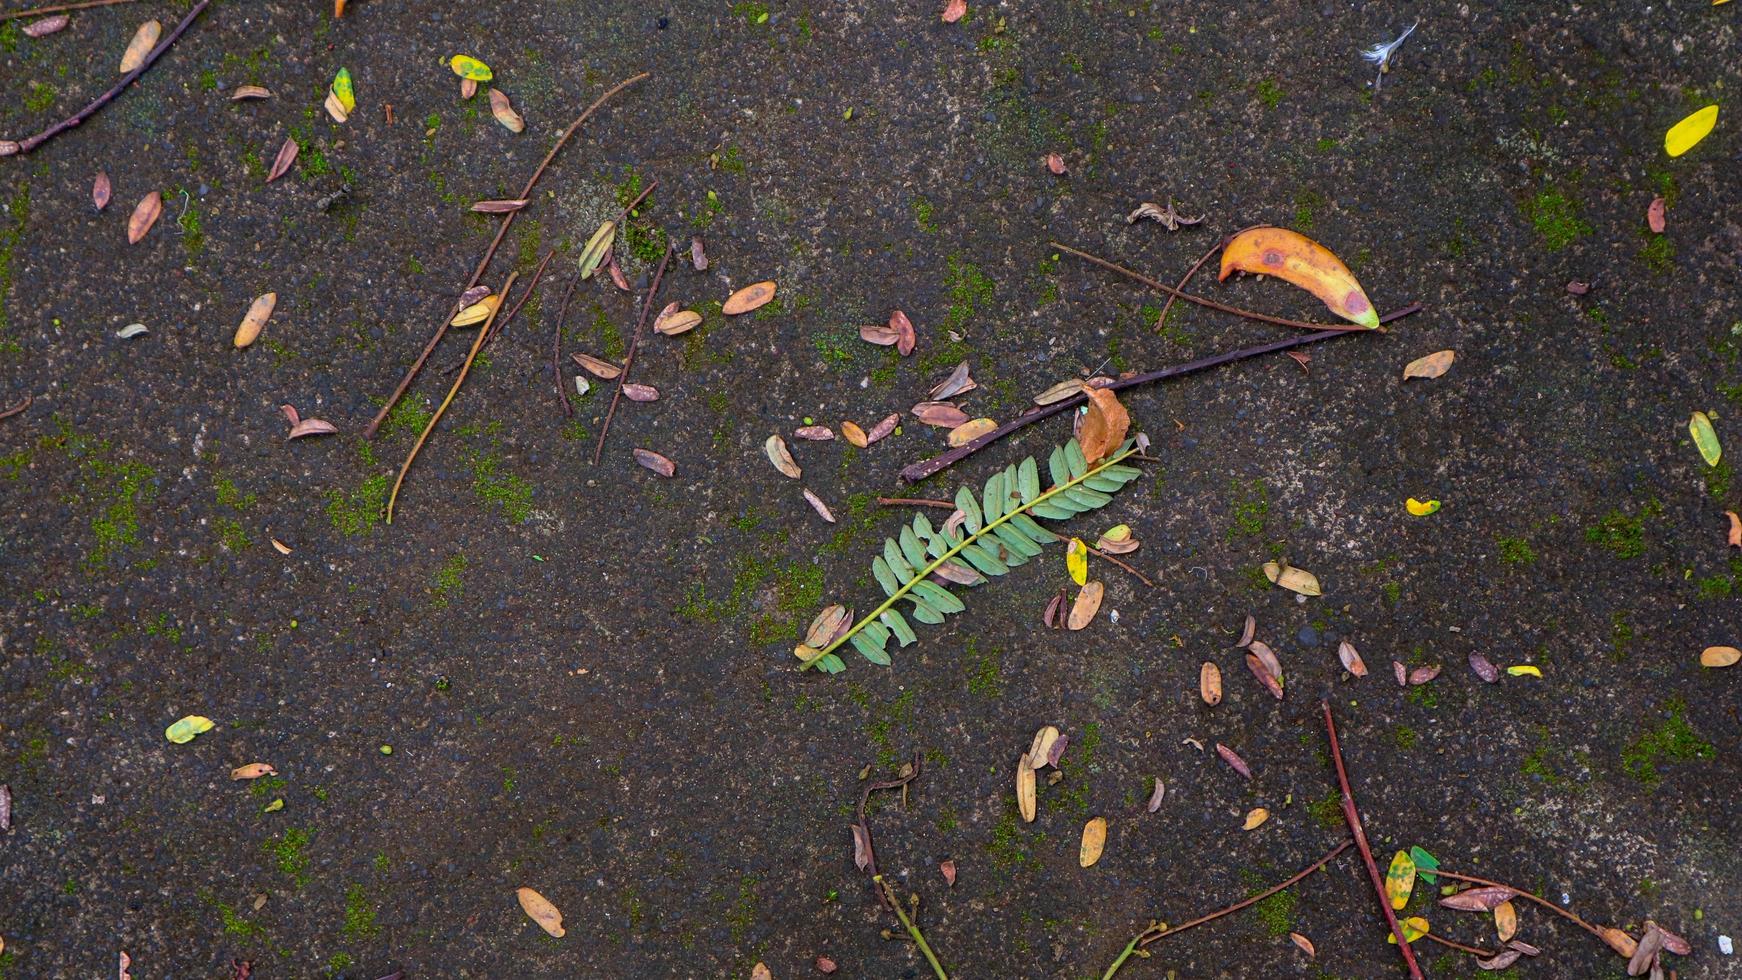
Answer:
[(579, 678)]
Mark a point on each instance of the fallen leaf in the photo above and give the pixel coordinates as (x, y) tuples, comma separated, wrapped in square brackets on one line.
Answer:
[(1400, 880), (1104, 425), (640, 393), (1351, 659), (1118, 540), (761, 972), (1431, 366), (954, 10), (343, 91), (1025, 800), (655, 462), (821, 508), (281, 547), (1484, 899), (967, 432), (1505, 920), (1484, 668), (245, 92), (1293, 579), (503, 110), (1500, 960), (5, 809), (1266, 656), (944, 415), (1672, 942), (1421, 675), (286, 156), (1077, 561), (1088, 602), (1402, 673), (957, 574), (132, 330), (749, 298), (1690, 130), (47, 26), (596, 367), (1094, 841), (1055, 163), (1654, 216), (1524, 670), (1233, 760), (1042, 746), (1421, 508), (879, 334), (1271, 682), (1618, 941), (467, 66), (1210, 683), (253, 770), (1255, 817), (255, 319), (499, 207), (1720, 657), (311, 427), (597, 247), (1425, 864), (861, 846), (338, 9), (1305, 944), (1523, 947), (335, 108), (854, 435), (1413, 927), (905, 339), (145, 214), (477, 313), (124, 962), (1578, 288), (826, 965), (883, 428), (100, 190), (1705, 438), (1059, 392), (184, 730), (1294, 258), (1247, 632), (1302, 358), (1735, 529), (957, 382), (775, 447), (672, 321), (1650, 945), (541, 911), (1054, 610), (1155, 796), (1169, 218), (948, 869), (144, 39)]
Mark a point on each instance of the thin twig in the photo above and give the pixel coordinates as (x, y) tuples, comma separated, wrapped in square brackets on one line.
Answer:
[(1472, 950), (924, 468), (1353, 817), (21, 406), (9, 148), (912, 929), (556, 343), (1098, 553), (443, 407), (631, 205), (489, 254), (531, 288), (61, 8), (1187, 278), (1521, 893), (634, 341)]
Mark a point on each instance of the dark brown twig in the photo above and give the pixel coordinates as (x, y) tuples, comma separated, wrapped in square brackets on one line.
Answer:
[(1353, 817), (21, 406), (1187, 278), (1472, 950), (556, 343), (532, 287), (1521, 893), (1252, 900), (629, 361), (62, 8), (924, 468), (9, 148), (489, 254)]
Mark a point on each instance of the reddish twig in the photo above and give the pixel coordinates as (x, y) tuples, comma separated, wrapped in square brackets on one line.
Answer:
[(489, 254), (1187, 278), (21, 406), (924, 468), (9, 148), (634, 342), (1252, 900), (1353, 817), (556, 343), (62, 8), (1521, 893), (532, 287)]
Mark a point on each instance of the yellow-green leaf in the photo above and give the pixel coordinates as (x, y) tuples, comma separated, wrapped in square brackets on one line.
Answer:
[(1705, 438), (184, 730), (599, 246), (1414, 928), (274, 806), (343, 91), (1421, 508), (1683, 135), (1524, 670), (1400, 880), (467, 66), (1077, 561)]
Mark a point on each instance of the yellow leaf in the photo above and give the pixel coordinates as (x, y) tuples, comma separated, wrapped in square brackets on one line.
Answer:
[(1414, 928), (467, 66), (1705, 438), (1524, 670), (344, 92), (1720, 657), (255, 319), (597, 248), (542, 912), (1400, 880), (1025, 801), (1505, 921), (1077, 561), (1683, 135), (1295, 258), (183, 731), (1293, 579), (970, 430), (1254, 818), (1094, 841), (1421, 508), (477, 313)]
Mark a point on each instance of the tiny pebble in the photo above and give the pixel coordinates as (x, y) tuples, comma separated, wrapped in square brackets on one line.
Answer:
[(1725, 946)]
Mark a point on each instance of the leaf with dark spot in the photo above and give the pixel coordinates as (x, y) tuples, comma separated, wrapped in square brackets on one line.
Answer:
[(100, 190)]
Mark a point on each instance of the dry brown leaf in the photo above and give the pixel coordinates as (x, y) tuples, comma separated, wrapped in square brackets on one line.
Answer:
[(1247, 632), (1124, 544), (145, 214), (1266, 656), (761, 972), (957, 383), (286, 156), (1505, 920), (245, 92), (883, 428), (1421, 675), (1431, 366), (311, 427), (749, 298), (1232, 758), (775, 447), (815, 433), (1271, 682), (499, 207), (1087, 604), (1646, 953), (281, 547), (967, 432), (336, 108), (1255, 817), (100, 190), (1618, 941), (1305, 944), (1483, 899), (468, 88), (1500, 960), (1351, 659), (1578, 288), (1402, 673), (905, 339), (1059, 392), (1104, 425), (944, 415), (615, 271), (596, 367), (957, 574), (821, 508), (1055, 163), (1053, 617), (1094, 842), (1293, 579), (1025, 801), (1484, 668), (879, 334), (1720, 657), (948, 869), (144, 39), (698, 254), (541, 911), (854, 435), (655, 462), (504, 112), (47, 26), (1042, 746), (954, 10), (640, 393), (672, 321), (1302, 358), (1654, 216), (1210, 683), (255, 319), (253, 770), (1735, 529)]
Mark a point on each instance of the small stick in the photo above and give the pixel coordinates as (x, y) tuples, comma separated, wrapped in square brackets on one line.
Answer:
[(1353, 818), (443, 407), (556, 343), (912, 930), (531, 287), (634, 341), (61, 8), (638, 199), (914, 502), (1521, 893), (489, 254), (1098, 553), (9, 148), (1199, 264), (1472, 950), (21, 406)]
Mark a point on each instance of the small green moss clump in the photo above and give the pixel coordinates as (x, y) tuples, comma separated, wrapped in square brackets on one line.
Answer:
[(1404, 737), (286, 851), (1673, 740), (1556, 219), (509, 494), (1250, 503), (1515, 550), (1658, 254), (1276, 913), (448, 584), (359, 914), (1623, 535), (1269, 93), (359, 511)]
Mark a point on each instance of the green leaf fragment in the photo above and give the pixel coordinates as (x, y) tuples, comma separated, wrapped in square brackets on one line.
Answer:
[(938, 597), (467, 66), (343, 90), (994, 497), (1074, 459), (970, 509), (869, 650), (1705, 438), (897, 563), (885, 577), (1057, 468), (1425, 864), (184, 730), (912, 550), (897, 624)]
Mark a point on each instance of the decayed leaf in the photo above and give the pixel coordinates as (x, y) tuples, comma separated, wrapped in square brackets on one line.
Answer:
[(640, 393), (1720, 657), (1421, 675), (815, 433), (1077, 561), (1618, 941), (1094, 841), (948, 869), (1232, 758), (1523, 947), (1293, 579), (344, 92), (1055, 163), (861, 846), (1305, 944), (255, 319), (1484, 668), (1297, 259), (467, 66), (1155, 796), (879, 334), (286, 156), (499, 207), (1025, 801), (1118, 540), (1059, 392), (336, 108), (1500, 960), (184, 730), (1271, 682), (954, 10), (145, 214), (1087, 604), (775, 447), (749, 298), (655, 462), (905, 339), (1351, 659), (854, 435), (1104, 425), (1705, 438), (761, 972), (47, 26), (883, 428), (1045, 747), (957, 573), (541, 911), (1402, 673), (100, 190), (597, 247), (5, 819), (1483, 899), (1505, 920), (957, 383), (144, 39), (280, 547), (245, 92), (1053, 617), (1400, 880), (503, 110), (1169, 218), (311, 427), (944, 415), (1646, 953), (672, 321), (597, 367), (967, 432), (1210, 683), (698, 254), (1685, 134), (821, 508), (253, 770), (1735, 538), (1413, 927), (1672, 942), (1254, 818), (1431, 366), (1654, 216), (1247, 632)]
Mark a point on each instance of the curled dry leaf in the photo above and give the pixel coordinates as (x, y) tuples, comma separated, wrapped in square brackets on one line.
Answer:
[(1735, 538), (1025, 800), (698, 254), (472, 295), (1271, 682), (954, 10), (504, 112), (1169, 218), (1297, 259), (1720, 657), (47, 26), (1104, 425), (967, 432), (1293, 579), (944, 415), (879, 334), (1672, 942), (640, 393), (1232, 758), (100, 190), (1402, 673), (1654, 216), (286, 156), (477, 312), (541, 911), (1094, 842), (1484, 668), (1254, 818), (1523, 947), (1156, 796), (854, 435), (1087, 604), (1068, 388), (336, 108), (311, 427), (672, 321), (145, 214), (1500, 960), (253, 770), (255, 319), (775, 447), (883, 428), (815, 433), (280, 547), (1055, 163), (1646, 953), (905, 339), (957, 383), (596, 367), (861, 846), (821, 508), (1351, 659), (132, 330), (948, 869), (1053, 618), (597, 248), (1421, 675), (1247, 632), (1266, 656), (1431, 366), (1483, 899), (243, 93), (617, 278), (1210, 683), (1305, 944), (1505, 920), (144, 39), (655, 462), (749, 298), (499, 207), (1118, 540), (5, 810)]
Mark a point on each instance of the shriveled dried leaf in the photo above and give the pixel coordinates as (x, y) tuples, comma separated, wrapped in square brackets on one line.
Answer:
[(1302, 358), (672, 321), (1483, 899), (967, 432), (698, 254), (1254, 818), (1169, 218), (954, 10), (1267, 657), (1293, 579), (253, 770), (255, 319), (854, 435), (1402, 673), (472, 295), (861, 847), (777, 452), (944, 415), (1232, 758), (1645, 954), (1094, 842), (640, 393), (1421, 675), (879, 334), (144, 39), (336, 108), (286, 156), (1735, 539), (593, 254), (655, 462), (1055, 163), (824, 627), (1305, 944), (1156, 796), (244, 93), (1104, 425), (47, 26), (1040, 748), (1210, 683), (1673, 943), (5, 811), (145, 214), (1720, 657), (1578, 288), (1484, 668), (1086, 605), (1618, 941), (957, 383), (1523, 947), (749, 298), (1505, 920), (1068, 388), (883, 428), (100, 190), (1431, 366), (499, 207), (1247, 632), (597, 367), (815, 433), (1053, 617), (311, 427), (957, 573), (1271, 682), (1351, 659), (948, 869), (503, 110), (1654, 216), (1025, 799), (1500, 960), (905, 339), (541, 911), (280, 547), (821, 508)]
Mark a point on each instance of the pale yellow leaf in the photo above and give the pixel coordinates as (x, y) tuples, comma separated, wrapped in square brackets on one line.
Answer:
[(1077, 561), (255, 319), (144, 39), (1431, 366), (1087, 604), (1094, 841), (541, 911), (1254, 818), (1685, 134)]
